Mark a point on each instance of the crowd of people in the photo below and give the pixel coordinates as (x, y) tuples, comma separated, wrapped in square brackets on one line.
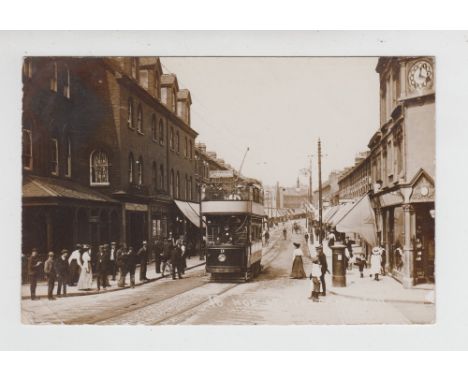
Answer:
[(114, 261), (376, 262)]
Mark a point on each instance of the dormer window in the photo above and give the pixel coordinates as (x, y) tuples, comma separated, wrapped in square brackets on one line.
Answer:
[(164, 96), (134, 67)]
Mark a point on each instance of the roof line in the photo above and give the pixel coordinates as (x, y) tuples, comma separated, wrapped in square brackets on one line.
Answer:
[(46, 189)]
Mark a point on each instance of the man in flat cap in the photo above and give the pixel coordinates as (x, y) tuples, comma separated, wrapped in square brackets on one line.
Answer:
[(49, 271), (61, 270)]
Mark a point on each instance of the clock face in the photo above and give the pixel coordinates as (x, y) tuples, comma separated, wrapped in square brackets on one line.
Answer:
[(421, 75)]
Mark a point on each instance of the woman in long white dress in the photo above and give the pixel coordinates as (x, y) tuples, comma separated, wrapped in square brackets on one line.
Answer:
[(85, 281), (297, 271)]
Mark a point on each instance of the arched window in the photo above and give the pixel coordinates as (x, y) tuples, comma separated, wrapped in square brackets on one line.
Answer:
[(27, 149), (161, 177), (66, 82), (140, 120), (130, 168), (177, 185), (54, 157), (140, 170), (171, 138), (130, 113), (154, 133), (161, 132), (53, 78), (177, 142), (99, 168), (171, 183), (69, 159), (154, 176)]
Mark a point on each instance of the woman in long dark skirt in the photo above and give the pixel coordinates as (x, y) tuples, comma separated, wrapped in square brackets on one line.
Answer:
[(297, 271)]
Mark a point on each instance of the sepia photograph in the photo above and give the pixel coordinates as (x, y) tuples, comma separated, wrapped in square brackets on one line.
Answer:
[(228, 190)]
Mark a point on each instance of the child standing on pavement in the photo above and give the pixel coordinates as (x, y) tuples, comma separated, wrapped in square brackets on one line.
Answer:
[(315, 277)]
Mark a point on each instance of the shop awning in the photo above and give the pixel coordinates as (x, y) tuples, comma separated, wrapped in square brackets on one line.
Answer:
[(190, 210), (49, 189), (360, 219), (331, 212), (341, 211)]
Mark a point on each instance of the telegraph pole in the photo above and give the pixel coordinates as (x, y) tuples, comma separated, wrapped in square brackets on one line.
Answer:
[(320, 189)]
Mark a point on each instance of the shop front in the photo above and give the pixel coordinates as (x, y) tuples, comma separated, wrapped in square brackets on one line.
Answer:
[(407, 230)]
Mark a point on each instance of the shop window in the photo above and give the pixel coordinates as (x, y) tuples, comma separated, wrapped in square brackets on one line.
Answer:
[(99, 168), (27, 149), (54, 168)]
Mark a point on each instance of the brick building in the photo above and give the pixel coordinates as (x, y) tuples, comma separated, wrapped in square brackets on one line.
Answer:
[(107, 149)]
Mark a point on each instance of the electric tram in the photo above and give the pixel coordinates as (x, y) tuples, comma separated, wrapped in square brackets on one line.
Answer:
[(233, 211)]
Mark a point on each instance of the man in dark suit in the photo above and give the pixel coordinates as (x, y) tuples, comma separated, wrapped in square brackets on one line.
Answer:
[(102, 266), (143, 256), (167, 252), (176, 260), (324, 264), (49, 271), (62, 272), (132, 260), (33, 272), (158, 254)]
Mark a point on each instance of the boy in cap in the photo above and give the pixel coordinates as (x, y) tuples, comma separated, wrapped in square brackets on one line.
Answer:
[(61, 270), (50, 273)]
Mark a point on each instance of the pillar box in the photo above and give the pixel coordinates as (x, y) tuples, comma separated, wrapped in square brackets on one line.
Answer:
[(338, 265)]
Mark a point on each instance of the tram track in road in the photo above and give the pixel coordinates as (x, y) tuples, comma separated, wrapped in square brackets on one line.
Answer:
[(168, 320), (169, 309)]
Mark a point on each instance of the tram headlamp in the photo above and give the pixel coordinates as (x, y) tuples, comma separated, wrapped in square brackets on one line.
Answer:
[(222, 258)]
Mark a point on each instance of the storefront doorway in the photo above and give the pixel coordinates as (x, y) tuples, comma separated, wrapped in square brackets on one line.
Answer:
[(424, 243)]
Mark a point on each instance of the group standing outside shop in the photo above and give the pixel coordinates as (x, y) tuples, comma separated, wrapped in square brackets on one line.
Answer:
[(114, 261)]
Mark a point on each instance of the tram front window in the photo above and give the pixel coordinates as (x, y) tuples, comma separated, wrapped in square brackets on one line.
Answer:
[(227, 230)]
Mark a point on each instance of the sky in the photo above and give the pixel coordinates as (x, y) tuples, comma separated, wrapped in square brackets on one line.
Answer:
[(278, 108)]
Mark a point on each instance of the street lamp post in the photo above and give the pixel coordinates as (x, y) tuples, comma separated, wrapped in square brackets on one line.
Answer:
[(320, 189)]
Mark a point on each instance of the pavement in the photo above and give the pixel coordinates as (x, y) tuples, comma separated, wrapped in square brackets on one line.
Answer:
[(72, 291), (387, 289)]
